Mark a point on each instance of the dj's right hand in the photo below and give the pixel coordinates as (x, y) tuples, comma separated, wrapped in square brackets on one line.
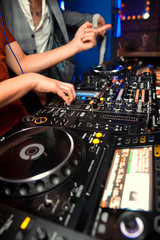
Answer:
[(14, 88), (64, 90)]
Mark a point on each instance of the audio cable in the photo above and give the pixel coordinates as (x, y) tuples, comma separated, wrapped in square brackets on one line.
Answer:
[(9, 44)]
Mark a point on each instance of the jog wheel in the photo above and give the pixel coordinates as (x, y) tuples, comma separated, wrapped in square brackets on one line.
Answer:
[(37, 159)]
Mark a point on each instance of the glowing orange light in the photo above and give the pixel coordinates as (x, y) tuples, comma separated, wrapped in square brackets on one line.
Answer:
[(148, 2), (147, 8), (139, 16), (133, 17), (129, 67), (128, 18), (25, 223), (122, 5)]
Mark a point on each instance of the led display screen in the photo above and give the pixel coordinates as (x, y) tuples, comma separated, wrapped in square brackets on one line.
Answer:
[(129, 183)]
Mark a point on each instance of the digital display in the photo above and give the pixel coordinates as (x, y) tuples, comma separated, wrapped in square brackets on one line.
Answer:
[(87, 94), (129, 183)]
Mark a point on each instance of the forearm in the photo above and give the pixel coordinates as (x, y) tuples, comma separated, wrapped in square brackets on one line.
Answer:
[(38, 62), (13, 89), (84, 39), (42, 61)]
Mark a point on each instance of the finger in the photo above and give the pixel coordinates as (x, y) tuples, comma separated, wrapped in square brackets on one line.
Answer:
[(73, 92), (89, 40), (103, 33), (69, 89), (61, 94), (90, 30), (88, 24), (103, 28), (90, 35)]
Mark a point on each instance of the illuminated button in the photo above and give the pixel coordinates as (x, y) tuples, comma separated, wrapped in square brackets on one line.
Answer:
[(151, 138), (99, 135), (25, 223), (83, 98), (142, 139), (101, 99), (96, 141), (91, 102), (157, 150), (40, 120)]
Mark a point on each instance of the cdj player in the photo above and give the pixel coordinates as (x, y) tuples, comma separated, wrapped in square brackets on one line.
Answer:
[(88, 171)]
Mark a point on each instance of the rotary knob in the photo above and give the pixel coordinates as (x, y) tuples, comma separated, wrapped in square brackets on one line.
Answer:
[(41, 234), (95, 105), (132, 225), (117, 107), (98, 100), (128, 107)]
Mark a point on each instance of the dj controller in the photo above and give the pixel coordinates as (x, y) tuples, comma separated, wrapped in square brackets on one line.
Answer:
[(88, 171)]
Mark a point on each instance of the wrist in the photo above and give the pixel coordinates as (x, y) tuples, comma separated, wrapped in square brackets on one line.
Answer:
[(30, 80), (74, 48)]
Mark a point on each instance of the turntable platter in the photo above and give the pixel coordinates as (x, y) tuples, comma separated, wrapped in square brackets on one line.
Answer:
[(40, 154)]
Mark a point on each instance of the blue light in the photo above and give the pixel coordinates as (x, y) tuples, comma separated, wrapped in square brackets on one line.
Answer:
[(117, 4), (117, 27), (62, 5), (119, 67), (83, 98)]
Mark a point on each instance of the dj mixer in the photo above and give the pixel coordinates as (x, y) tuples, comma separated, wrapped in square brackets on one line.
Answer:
[(88, 171)]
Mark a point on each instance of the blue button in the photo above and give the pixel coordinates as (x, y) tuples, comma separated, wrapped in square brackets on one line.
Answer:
[(83, 98)]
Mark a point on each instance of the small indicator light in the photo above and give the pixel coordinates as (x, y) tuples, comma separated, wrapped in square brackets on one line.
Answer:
[(99, 135), (83, 98), (25, 223), (96, 141)]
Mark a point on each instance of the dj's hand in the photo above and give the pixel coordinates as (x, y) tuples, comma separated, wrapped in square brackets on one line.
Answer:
[(64, 90), (85, 37)]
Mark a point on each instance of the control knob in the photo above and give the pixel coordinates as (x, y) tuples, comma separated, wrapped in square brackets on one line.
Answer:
[(77, 121), (94, 104), (132, 225), (139, 106), (117, 107), (41, 234), (128, 107), (134, 84), (98, 100), (119, 101)]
